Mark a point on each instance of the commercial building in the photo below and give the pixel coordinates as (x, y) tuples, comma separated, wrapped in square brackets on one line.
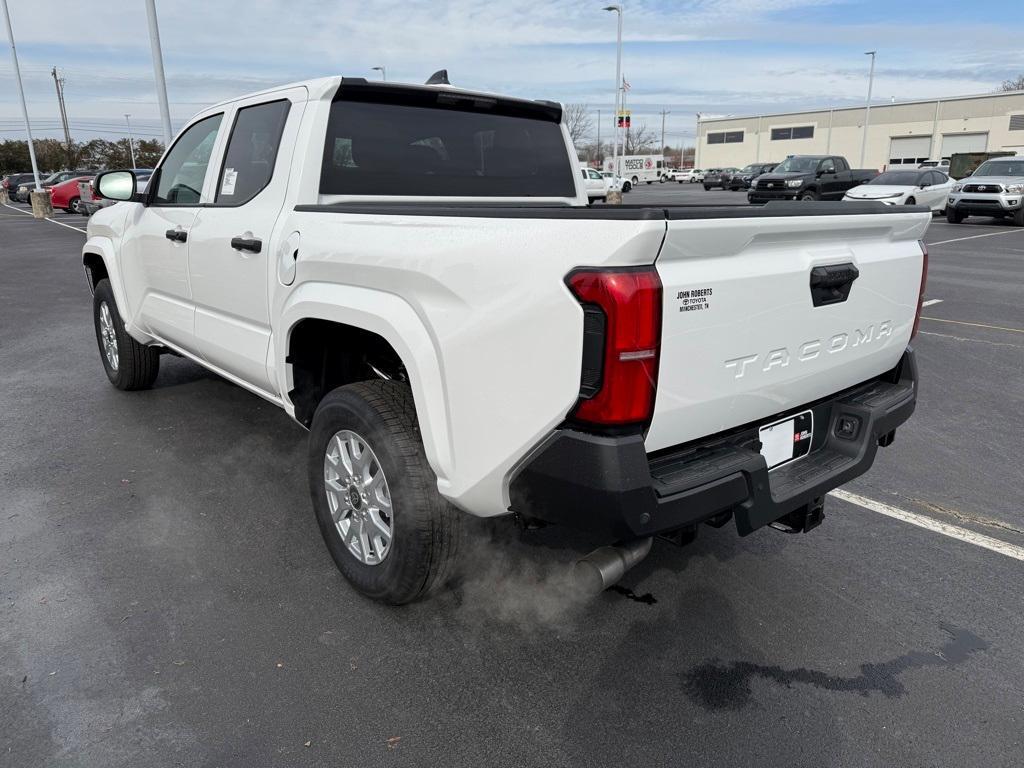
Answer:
[(898, 133)]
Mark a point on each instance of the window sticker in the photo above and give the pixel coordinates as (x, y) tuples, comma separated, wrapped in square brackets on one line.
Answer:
[(228, 186)]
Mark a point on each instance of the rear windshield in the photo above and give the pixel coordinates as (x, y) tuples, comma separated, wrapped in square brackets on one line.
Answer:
[(443, 150)]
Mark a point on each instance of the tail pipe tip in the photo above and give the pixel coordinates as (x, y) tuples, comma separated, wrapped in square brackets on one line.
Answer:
[(604, 567)]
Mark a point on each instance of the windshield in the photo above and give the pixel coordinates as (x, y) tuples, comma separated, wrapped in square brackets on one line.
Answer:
[(750, 168), (797, 165), (1001, 168), (897, 178)]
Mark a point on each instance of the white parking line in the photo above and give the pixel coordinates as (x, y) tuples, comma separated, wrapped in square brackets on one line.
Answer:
[(975, 237), (931, 524), (931, 302), (975, 325), (52, 221)]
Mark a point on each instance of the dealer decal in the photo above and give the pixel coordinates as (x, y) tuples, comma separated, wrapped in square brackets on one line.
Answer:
[(694, 300)]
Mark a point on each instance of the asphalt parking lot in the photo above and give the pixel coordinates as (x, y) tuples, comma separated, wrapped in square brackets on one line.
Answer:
[(167, 600)]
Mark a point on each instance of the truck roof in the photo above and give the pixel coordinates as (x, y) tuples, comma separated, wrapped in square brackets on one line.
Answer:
[(322, 86)]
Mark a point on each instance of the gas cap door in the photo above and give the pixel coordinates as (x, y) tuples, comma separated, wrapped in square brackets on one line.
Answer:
[(286, 259)]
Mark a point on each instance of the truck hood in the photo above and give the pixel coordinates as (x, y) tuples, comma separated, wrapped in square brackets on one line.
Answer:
[(782, 176), (1004, 180)]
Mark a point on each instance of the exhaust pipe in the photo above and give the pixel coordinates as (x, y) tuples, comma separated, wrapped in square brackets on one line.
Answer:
[(603, 567)]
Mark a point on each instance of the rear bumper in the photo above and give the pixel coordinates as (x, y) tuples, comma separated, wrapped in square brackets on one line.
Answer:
[(611, 487)]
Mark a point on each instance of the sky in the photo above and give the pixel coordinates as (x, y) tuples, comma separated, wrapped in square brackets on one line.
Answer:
[(716, 57)]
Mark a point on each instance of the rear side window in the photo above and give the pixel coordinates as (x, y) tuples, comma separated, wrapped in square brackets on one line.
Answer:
[(184, 168), (252, 152), (447, 149)]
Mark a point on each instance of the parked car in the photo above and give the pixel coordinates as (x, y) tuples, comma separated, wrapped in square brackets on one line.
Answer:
[(935, 165), (718, 177), (668, 174), (15, 180), (450, 354), (66, 194), (809, 177), (743, 178), (91, 202), (54, 178), (995, 189), (909, 187), (690, 176), (597, 186), (617, 183)]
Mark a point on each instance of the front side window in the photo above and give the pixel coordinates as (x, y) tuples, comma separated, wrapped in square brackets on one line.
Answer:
[(184, 168), (252, 152), (447, 146)]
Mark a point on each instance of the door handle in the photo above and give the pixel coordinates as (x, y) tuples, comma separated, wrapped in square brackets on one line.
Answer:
[(251, 244), (176, 235)]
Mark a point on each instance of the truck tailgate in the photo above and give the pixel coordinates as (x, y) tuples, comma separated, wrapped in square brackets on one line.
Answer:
[(742, 340)]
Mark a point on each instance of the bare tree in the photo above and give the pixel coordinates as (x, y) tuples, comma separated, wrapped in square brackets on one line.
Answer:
[(1016, 84), (578, 121), (639, 140)]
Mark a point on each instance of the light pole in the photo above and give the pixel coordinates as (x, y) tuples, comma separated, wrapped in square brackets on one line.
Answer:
[(867, 108), (696, 143), (21, 94), (618, 86), (131, 149), (158, 71), (383, 72)]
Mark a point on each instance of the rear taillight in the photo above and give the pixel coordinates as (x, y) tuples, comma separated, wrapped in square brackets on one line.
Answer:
[(920, 295), (622, 327)]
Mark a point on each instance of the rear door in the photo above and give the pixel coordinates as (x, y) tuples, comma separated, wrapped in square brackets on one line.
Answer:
[(231, 253), (742, 340)]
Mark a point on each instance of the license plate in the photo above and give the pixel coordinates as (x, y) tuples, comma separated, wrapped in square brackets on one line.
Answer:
[(786, 440)]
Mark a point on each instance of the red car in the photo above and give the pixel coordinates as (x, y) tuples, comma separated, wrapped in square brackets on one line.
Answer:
[(65, 194)]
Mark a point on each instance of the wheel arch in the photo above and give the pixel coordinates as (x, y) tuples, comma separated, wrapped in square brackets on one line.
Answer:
[(99, 263), (319, 313)]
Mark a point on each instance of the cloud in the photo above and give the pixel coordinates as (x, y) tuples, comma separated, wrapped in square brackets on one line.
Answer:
[(732, 56)]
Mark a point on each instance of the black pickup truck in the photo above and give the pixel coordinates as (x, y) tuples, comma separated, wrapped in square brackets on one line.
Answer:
[(809, 177)]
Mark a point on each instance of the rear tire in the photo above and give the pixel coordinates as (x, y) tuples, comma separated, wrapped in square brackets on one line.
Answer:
[(953, 216), (420, 554), (74, 205), (128, 364), (910, 201)]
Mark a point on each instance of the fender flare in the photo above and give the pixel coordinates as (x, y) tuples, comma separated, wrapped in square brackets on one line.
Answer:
[(104, 248), (395, 320)]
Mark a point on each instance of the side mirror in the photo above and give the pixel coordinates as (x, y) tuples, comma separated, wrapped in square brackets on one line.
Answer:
[(116, 185)]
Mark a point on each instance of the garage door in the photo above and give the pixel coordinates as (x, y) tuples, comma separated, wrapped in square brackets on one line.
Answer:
[(904, 150), (964, 142)]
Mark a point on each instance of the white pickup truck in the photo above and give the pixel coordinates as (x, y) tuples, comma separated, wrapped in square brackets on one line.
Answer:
[(413, 273)]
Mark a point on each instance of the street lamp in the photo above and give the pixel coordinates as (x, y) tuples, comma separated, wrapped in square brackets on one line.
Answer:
[(21, 96), (618, 86), (867, 107), (383, 72), (131, 148)]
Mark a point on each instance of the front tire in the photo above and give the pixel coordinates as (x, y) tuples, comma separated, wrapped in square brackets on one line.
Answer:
[(1018, 218), (389, 531), (128, 364), (953, 216), (809, 197), (707, 187)]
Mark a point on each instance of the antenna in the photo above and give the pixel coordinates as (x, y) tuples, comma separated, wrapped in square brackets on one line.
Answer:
[(439, 78)]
